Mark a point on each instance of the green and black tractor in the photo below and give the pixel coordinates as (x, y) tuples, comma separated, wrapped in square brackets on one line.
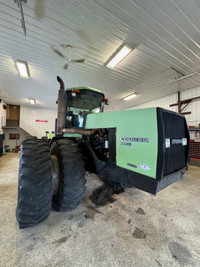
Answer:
[(146, 148)]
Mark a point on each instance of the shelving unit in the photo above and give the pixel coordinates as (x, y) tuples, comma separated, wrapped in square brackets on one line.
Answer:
[(195, 146)]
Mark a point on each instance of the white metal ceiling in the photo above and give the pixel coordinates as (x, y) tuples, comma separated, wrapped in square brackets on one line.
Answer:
[(165, 34)]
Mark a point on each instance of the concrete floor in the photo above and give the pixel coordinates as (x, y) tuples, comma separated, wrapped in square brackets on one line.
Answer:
[(137, 229)]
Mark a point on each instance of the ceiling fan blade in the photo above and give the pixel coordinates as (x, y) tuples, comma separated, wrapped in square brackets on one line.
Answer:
[(65, 66), (58, 52), (79, 60)]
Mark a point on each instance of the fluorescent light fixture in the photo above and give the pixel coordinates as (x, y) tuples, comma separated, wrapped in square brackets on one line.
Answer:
[(32, 101), (130, 96), (23, 69), (119, 56)]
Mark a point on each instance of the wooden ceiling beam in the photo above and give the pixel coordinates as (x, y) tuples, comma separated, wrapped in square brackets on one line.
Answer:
[(182, 102)]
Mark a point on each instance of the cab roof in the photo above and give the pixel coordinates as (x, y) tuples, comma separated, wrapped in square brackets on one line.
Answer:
[(85, 88)]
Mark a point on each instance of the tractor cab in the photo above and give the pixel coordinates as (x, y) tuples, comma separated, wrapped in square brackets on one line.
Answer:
[(81, 101)]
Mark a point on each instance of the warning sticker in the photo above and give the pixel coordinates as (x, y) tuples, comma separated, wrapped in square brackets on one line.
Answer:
[(145, 167)]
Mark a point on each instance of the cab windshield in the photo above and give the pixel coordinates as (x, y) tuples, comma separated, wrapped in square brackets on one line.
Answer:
[(81, 103)]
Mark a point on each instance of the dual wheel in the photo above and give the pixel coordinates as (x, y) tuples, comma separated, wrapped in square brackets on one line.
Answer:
[(48, 177)]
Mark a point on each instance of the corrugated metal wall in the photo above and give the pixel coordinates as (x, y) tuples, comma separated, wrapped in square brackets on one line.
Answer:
[(30, 116), (163, 102), (193, 119)]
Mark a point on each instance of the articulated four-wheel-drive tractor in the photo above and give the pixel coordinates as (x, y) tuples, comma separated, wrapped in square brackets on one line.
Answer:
[(147, 149)]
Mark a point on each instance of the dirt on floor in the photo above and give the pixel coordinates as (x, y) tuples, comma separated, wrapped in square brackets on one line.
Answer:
[(136, 229)]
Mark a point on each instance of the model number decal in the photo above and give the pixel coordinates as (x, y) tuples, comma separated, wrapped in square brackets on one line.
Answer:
[(177, 141), (125, 144), (135, 139)]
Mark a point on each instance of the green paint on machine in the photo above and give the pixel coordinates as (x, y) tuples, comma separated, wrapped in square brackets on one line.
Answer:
[(136, 137)]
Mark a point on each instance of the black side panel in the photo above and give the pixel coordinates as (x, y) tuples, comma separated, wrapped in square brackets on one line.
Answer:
[(126, 178), (111, 173), (161, 145), (176, 155), (171, 126)]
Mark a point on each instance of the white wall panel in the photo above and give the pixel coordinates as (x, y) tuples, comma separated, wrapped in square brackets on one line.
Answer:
[(163, 102), (2, 116), (13, 143), (29, 117), (193, 119)]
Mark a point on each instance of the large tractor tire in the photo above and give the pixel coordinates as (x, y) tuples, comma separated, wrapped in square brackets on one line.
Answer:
[(71, 187), (34, 183)]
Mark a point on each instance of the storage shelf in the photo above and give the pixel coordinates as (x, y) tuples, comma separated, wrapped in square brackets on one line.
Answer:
[(195, 150)]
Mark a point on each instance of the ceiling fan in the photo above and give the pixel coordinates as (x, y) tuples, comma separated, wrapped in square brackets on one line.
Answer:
[(68, 59)]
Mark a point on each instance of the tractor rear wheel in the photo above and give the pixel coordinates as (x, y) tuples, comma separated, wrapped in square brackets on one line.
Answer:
[(71, 187), (34, 183)]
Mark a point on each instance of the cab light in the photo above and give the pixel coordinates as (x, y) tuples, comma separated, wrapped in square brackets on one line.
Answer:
[(76, 90)]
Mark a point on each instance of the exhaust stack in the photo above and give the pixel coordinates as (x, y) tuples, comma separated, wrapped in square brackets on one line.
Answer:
[(61, 107)]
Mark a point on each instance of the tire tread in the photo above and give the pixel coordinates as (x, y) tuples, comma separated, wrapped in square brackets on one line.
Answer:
[(34, 183)]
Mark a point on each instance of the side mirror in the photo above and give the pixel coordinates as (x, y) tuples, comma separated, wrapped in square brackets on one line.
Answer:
[(106, 101)]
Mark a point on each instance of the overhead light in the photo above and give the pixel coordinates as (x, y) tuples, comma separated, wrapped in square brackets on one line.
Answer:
[(130, 96), (23, 69), (32, 101), (119, 56)]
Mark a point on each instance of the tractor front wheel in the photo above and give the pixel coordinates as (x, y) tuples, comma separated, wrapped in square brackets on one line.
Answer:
[(34, 183)]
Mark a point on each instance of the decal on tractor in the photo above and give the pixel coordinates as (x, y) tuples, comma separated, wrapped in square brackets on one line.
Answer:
[(135, 139), (132, 165), (125, 144), (145, 167)]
